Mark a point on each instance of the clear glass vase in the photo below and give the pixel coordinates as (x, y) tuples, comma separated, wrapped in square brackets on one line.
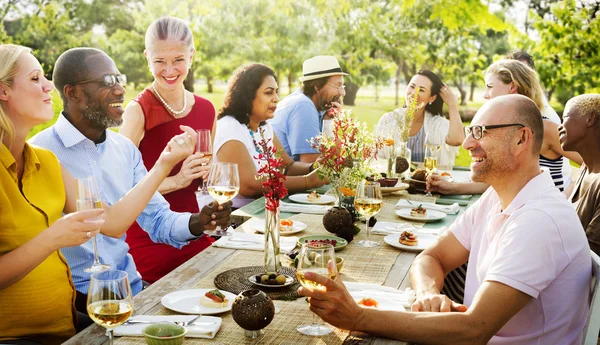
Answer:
[(389, 152), (402, 161), (272, 228)]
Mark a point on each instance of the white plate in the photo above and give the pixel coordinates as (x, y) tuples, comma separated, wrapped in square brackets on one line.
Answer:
[(425, 240), (303, 199), (398, 187), (258, 224), (431, 215), (188, 302), (384, 303)]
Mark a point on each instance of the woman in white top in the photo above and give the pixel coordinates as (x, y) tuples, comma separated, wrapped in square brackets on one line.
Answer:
[(251, 100), (428, 121)]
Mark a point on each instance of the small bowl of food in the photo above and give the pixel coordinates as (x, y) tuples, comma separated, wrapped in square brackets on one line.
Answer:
[(339, 262), (388, 182), (164, 334)]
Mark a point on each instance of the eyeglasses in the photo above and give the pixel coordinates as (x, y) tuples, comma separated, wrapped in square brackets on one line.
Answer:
[(109, 80), (478, 130), (339, 88)]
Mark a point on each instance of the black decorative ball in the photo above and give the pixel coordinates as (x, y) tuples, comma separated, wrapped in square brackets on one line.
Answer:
[(253, 310), (338, 220)]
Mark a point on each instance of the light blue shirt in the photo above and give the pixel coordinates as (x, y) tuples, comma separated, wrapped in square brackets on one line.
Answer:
[(296, 121), (117, 165)]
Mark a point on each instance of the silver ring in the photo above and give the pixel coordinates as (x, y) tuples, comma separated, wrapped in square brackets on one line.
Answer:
[(180, 141), (89, 234)]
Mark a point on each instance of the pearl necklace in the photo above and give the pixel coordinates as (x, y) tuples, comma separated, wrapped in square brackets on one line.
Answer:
[(173, 111)]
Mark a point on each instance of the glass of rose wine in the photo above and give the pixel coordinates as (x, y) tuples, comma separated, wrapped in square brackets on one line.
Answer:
[(204, 146), (317, 258), (109, 300), (223, 185), (368, 202), (88, 198)]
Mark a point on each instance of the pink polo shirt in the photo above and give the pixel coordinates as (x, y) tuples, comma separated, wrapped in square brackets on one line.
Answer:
[(537, 246)]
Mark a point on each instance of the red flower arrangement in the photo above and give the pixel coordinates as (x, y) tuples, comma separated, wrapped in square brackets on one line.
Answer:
[(270, 172)]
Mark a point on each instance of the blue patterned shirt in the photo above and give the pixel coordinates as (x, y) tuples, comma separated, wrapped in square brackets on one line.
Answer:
[(117, 165)]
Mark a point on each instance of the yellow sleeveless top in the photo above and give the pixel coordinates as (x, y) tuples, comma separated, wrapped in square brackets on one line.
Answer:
[(40, 306)]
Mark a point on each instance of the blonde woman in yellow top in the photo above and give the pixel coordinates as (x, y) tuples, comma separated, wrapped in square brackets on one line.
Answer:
[(36, 291)]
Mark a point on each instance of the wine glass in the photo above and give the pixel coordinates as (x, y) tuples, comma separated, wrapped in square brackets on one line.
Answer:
[(109, 300), (204, 146), (368, 202), (317, 258), (88, 198), (432, 148), (223, 185)]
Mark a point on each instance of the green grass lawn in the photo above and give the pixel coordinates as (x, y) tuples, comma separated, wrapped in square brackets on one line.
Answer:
[(366, 109)]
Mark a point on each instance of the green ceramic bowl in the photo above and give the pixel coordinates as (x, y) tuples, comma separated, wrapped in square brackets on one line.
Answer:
[(340, 242), (164, 334)]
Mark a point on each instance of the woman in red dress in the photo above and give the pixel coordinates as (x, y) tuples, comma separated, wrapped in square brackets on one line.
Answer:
[(150, 120)]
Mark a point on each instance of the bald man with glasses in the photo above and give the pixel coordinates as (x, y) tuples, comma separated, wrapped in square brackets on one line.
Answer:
[(529, 269)]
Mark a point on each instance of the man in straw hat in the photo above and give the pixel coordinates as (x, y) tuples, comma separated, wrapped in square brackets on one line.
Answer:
[(299, 117)]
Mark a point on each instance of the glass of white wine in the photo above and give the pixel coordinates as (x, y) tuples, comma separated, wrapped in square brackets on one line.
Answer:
[(223, 185), (432, 151), (109, 300), (204, 146), (320, 259), (88, 198), (368, 202)]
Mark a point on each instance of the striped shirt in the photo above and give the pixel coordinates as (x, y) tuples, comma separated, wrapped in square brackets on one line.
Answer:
[(555, 167), (416, 144), (117, 165)]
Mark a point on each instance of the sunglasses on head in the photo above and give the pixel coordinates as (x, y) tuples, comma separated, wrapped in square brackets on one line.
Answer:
[(108, 80)]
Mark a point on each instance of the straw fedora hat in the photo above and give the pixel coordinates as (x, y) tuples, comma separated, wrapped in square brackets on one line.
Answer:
[(319, 67)]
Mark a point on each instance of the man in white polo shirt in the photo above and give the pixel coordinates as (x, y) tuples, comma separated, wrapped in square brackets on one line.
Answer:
[(529, 273)]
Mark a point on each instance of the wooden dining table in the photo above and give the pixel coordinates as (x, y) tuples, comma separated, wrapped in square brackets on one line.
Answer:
[(384, 265)]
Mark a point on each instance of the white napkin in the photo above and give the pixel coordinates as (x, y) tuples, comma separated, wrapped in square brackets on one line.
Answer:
[(406, 297), (449, 209), (241, 240), (204, 327), (386, 228), (303, 208)]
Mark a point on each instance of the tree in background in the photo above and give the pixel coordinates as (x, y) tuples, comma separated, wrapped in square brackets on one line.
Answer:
[(566, 56)]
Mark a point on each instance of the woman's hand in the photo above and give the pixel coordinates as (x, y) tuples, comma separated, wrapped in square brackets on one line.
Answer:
[(448, 96), (193, 167), (73, 229), (179, 147)]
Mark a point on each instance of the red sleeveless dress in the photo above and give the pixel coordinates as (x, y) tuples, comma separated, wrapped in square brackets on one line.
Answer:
[(154, 260)]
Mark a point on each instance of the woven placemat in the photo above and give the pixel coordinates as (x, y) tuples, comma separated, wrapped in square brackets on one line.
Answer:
[(236, 281)]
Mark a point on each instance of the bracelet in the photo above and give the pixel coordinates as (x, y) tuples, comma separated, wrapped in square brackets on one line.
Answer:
[(306, 181), (311, 167)]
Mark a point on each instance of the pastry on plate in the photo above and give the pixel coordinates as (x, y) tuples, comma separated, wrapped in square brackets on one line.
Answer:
[(214, 299), (418, 212), (313, 196), (286, 225), (407, 238)]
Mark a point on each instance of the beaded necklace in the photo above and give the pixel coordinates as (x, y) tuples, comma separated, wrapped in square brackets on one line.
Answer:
[(173, 111), (253, 140)]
